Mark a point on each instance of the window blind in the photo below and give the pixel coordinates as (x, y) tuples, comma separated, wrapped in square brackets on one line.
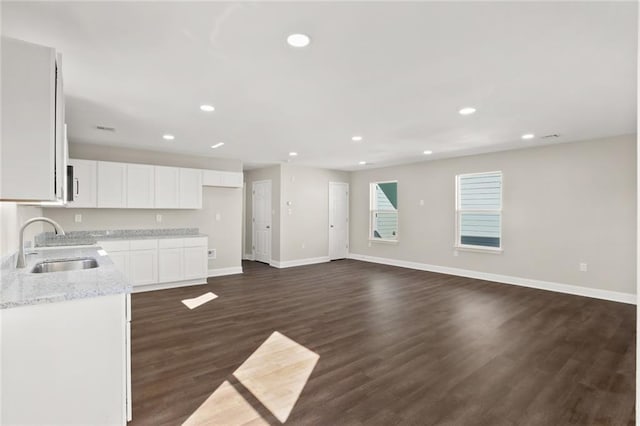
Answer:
[(479, 209)]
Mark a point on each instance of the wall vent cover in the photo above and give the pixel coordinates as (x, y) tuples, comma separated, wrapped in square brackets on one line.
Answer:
[(552, 136), (106, 128)]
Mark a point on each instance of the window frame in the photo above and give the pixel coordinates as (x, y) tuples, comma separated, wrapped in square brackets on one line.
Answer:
[(371, 210), (459, 211)]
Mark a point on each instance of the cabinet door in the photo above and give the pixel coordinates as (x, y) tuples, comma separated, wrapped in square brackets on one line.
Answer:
[(65, 363), (167, 189), (170, 265), (84, 183), (190, 189), (121, 261), (195, 263), (143, 267), (140, 186), (112, 184), (27, 164), (233, 179)]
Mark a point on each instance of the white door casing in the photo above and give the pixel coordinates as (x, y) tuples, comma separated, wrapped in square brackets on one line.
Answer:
[(261, 211), (338, 220)]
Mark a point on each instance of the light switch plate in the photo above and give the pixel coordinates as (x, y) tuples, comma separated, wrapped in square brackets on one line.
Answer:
[(78, 218), (158, 218)]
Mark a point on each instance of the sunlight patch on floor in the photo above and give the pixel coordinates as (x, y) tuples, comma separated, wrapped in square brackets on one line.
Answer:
[(199, 301), (277, 372), (225, 406)]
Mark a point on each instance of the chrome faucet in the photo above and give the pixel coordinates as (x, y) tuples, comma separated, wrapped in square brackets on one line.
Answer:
[(58, 229)]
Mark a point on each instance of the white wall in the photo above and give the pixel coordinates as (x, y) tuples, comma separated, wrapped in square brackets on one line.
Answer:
[(305, 223), (299, 231), (225, 235), (563, 204), (12, 216), (273, 174)]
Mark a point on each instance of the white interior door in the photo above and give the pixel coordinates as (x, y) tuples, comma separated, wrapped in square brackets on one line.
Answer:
[(261, 240), (338, 220)]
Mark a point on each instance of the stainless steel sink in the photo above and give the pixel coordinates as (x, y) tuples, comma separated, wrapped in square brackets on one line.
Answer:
[(59, 265)]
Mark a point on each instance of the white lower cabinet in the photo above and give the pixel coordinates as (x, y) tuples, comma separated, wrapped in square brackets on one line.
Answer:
[(195, 262), (171, 265), (143, 267), (66, 363), (167, 260), (121, 260)]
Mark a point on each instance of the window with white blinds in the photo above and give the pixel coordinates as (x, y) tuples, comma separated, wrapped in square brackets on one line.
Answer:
[(383, 211), (479, 210)]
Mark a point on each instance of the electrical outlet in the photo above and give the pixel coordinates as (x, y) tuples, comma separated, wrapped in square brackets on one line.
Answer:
[(303, 245), (422, 202), (78, 218), (583, 267), (158, 218), (211, 254), (455, 253), (218, 217)]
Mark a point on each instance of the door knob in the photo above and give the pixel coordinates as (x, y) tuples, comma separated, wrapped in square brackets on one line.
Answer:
[(331, 226), (268, 227)]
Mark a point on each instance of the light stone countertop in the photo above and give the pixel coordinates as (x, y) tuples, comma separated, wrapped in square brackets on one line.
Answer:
[(79, 238), (21, 287)]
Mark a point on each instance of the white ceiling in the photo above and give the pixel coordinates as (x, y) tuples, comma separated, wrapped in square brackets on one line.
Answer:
[(395, 73)]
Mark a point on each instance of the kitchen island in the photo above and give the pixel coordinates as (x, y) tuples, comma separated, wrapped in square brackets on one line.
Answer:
[(65, 341)]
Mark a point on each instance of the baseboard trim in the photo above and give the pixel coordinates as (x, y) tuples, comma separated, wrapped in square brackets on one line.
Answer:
[(248, 256), (219, 272), (299, 262), (166, 286), (613, 296)]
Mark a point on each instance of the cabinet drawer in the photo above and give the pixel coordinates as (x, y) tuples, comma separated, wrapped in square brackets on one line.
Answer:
[(144, 244), (171, 243), (196, 242), (111, 246)]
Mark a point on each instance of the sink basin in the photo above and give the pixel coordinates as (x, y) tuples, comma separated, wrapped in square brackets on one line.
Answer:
[(59, 265)]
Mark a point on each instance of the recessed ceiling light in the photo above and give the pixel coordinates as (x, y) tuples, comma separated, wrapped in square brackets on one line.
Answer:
[(293, 154), (428, 152), (218, 145), (298, 40), (467, 111), (362, 163), (528, 136), (207, 108), (356, 138), (168, 137)]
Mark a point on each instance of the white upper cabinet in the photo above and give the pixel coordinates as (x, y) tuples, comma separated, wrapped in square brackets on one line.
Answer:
[(33, 163), (112, 185), (167, 190), (84, 183), (140, 186), (224, 179), (106, 184), (190, 189)]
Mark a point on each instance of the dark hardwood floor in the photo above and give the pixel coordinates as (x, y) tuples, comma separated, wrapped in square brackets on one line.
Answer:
[(396, 346)]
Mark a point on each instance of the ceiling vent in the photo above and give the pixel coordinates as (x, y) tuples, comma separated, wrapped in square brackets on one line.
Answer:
[(106, 128), (552, 136)]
